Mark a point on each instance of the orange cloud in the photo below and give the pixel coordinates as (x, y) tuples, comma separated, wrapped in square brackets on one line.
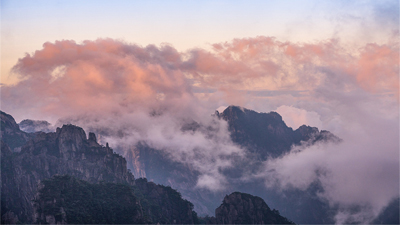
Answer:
[(65, 77)]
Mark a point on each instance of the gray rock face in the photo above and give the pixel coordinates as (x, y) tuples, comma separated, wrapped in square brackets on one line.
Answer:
[(241, 208), (67, 151), (11, 134)]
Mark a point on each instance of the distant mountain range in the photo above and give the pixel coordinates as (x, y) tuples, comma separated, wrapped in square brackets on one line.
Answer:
[(263, 136), (40, 170), (65, 177)]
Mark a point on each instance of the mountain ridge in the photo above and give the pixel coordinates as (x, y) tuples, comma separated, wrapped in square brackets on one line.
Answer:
[(54, 171), (267, 133)]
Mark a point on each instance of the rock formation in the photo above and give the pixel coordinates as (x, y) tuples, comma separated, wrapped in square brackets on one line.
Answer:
[(266, 134), (11, 134), (66, 151), (31, 191), (241, 208)]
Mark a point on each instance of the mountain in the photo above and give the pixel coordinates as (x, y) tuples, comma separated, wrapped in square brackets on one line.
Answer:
[(65, 177), (11, 134), (241, 208), (266, 134), (163, 204), (390, 214), (66, 199), (67, 151), (32, 191), (261, 135)]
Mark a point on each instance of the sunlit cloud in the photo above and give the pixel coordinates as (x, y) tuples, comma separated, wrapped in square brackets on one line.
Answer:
[(135, 94)]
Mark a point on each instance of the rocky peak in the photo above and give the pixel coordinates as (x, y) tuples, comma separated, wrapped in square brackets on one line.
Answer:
[(312, 135), (11, 134), (71, 132), (92, 137), (241, 208), (70, 139), (64, 152), (93, 140), (233, 111), (236, 112), (306, 131), (266, 134), (8, 122)]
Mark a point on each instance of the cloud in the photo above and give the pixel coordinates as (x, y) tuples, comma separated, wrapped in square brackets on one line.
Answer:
[(130, 93), (105, 73), (295, 117), (360, 175)]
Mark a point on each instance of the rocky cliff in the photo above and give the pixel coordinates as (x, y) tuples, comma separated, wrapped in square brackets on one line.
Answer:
[(241, 208), (11, 134), (67, 177), (67, 200), (164, 205), (67, 151), (266, 134)]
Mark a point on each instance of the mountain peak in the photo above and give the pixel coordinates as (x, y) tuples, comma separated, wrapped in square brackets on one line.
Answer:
[(238, 110), (241, 208), (71, 138), (266, 133), (11, 134), (7, 121)]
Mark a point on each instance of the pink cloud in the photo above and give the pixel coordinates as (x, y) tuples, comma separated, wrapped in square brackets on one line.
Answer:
[(107, 70), (115, 85), (378, 68)]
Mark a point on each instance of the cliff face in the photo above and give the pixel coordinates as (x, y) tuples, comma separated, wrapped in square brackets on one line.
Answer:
[(65, 177), (163, 204), (11, 134), (65, 199), (240, 208), (67, 151)]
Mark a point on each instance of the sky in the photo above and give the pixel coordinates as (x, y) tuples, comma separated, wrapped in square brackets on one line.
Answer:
[(141, 69), (26, 25)]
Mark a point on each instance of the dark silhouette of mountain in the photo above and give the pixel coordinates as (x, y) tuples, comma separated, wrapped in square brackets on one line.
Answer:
[(390, 214), (266, 134), (11, 134), (241, 208), (65, 199), (68, 152), (163, 204), (27, 197)]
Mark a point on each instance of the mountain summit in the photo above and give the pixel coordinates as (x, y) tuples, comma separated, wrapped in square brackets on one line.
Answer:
[(266, 134)]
